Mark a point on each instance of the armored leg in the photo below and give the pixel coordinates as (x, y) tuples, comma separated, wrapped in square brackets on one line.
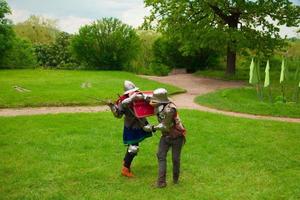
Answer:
[(131, 152), (176, 151), (162, 161)]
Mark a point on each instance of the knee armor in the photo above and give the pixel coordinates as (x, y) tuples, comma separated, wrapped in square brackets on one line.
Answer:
[(133, 149)]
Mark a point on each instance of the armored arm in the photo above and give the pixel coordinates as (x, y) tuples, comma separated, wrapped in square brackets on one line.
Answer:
[(168, 121), (133, 97), (116, 110)]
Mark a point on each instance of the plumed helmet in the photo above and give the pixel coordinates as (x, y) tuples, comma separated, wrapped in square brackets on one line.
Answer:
[(129, 87), (160, 95)]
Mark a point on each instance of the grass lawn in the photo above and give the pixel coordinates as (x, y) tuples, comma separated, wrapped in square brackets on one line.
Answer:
[(20, 88), (78, 156), (245, 100)]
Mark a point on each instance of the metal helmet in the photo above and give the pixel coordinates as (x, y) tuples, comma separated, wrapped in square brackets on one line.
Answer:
[(129, 87), (160, 95)]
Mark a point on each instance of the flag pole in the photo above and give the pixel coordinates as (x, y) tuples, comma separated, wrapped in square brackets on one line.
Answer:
[(282, 91), (270, 95), (258, 77), (297, 78), (267, 80), (297, 94), (283, 78), (257, 91)]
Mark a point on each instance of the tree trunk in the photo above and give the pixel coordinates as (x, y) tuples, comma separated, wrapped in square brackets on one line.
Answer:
[(231, 46), (232, 21), (231, 58)]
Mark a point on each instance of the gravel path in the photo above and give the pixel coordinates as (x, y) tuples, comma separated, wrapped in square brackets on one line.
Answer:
[(194, 86)]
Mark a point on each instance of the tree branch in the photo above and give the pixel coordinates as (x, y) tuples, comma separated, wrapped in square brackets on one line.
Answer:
[(219, 12), (195, 13)]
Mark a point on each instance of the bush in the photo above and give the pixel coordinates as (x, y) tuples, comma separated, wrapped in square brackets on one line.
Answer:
[(106, 44), (168, 52), (21, 55), (159, 69), (153, 68), (57, 54)]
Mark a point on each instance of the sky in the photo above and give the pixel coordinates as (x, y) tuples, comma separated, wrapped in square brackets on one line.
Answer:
[(71, 14)]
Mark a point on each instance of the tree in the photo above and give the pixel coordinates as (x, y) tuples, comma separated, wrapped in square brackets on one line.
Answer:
[(106, 44), (37, 29), (6, 31), (167, 51), (234, 24), (57, 54), (20, 55), (140, 64)]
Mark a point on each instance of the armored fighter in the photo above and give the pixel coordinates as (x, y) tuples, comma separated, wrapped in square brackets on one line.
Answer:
[(133, 132), (173, 134)]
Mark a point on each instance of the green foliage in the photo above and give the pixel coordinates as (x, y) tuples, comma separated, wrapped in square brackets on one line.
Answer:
[(141, 63), (6, 31), (37, 29), (20, 55), (279, 100), (159, 69), (168, 51), (79, 156), (231, 26), (106, 44), (293, 55), (57, 54), (241, 74)]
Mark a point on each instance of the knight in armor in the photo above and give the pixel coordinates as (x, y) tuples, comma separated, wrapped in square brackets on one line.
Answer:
[(173, 135), (133, 132)]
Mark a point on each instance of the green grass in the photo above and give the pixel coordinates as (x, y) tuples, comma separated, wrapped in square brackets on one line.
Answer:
[(79, 156), (245, 100), (60, 87)]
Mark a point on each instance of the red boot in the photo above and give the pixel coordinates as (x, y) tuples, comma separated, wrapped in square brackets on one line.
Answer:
[(126, 172)]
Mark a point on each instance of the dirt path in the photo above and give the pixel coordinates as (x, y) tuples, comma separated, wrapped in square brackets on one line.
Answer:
[(194, 86), (51, 110)]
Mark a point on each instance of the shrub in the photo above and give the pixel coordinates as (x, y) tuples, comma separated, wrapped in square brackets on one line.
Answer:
[(159, 69), (106, 44), (168, 52), (21, 55)]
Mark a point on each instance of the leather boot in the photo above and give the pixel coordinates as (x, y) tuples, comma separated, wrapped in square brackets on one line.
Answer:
[(175, 178), (126, 172), (161, 184), (161, 181)]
